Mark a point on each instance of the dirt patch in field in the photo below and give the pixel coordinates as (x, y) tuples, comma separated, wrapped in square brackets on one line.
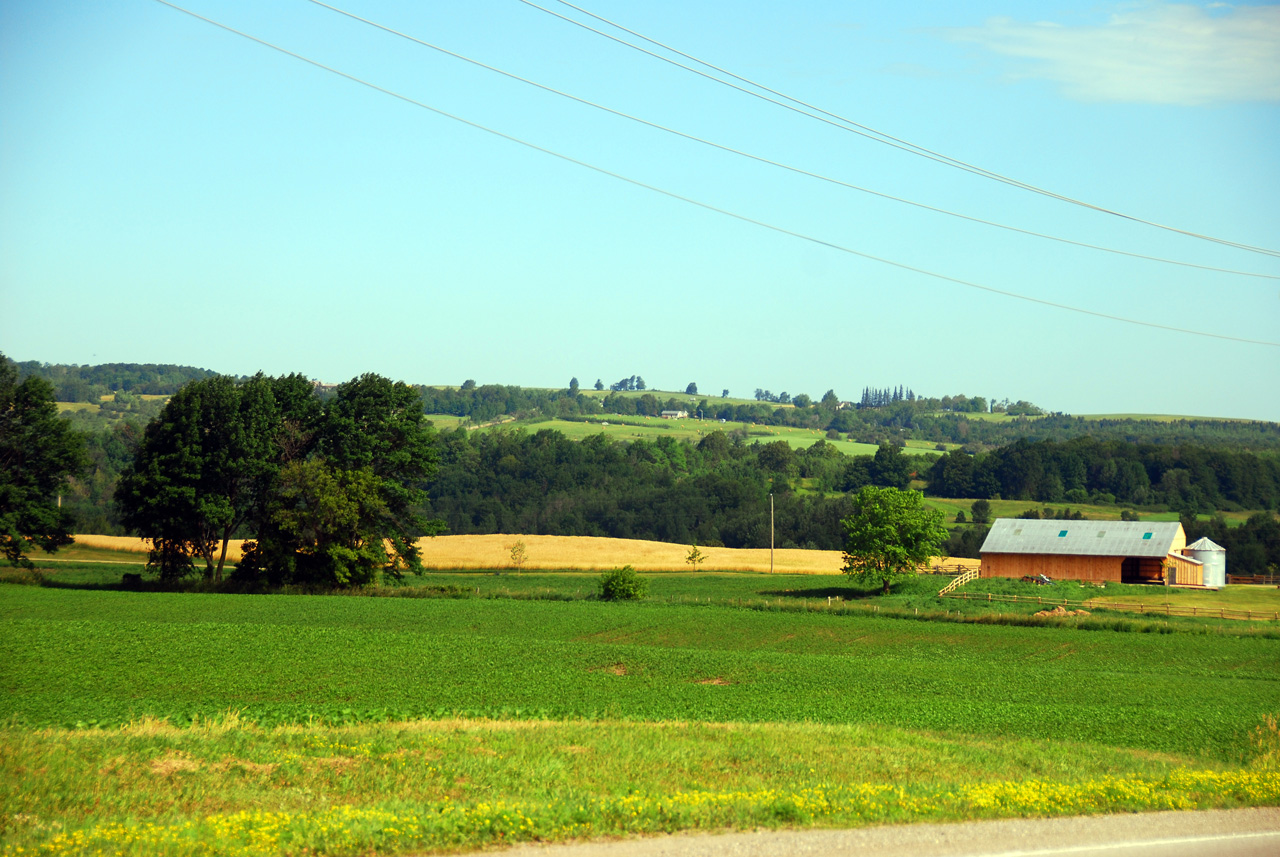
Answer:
[(718, 681), (336, 763), (613, 669), (245, 765), (167, 766)]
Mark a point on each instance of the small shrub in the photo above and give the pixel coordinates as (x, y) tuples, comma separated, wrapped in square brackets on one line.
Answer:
[(960, 517), (621, 584), (695, 556), (518, 554)]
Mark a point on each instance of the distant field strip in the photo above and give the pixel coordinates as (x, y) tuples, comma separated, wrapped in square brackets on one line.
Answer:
[(588, 553), (568, 552)]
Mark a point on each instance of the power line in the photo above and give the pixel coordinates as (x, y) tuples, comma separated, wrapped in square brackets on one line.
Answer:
[(708, 207), (779, 164), (837, 121)]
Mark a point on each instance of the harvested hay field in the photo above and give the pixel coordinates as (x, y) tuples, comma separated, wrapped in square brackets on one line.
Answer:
[(590, 553), (571, 552), (128, 544)]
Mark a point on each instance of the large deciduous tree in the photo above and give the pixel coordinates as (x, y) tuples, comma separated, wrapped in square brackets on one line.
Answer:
[(351, 511), (207, 463), (38, 451), (329, 492), (890, 534)]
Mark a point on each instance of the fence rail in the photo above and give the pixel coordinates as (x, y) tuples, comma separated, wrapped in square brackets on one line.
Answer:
[(1255, 579), (966, 574), (1142, 608)]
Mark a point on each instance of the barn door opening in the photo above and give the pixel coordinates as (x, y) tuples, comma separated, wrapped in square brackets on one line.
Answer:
[(1129, 570)]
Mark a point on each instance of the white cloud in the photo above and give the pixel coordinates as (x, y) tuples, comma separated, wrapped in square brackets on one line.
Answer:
[(1157, 53)]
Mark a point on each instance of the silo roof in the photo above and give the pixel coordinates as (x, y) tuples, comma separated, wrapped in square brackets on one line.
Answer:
[(1204, 544), (1081, 538)]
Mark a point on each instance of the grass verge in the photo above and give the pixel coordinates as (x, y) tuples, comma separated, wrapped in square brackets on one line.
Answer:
[(227, 788)]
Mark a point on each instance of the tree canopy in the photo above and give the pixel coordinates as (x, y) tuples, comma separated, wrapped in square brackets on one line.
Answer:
[(890, 533), (38, 451), (327, 490)]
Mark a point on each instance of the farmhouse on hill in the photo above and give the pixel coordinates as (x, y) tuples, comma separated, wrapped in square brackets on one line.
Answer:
[(675, 415), (1119, 551)]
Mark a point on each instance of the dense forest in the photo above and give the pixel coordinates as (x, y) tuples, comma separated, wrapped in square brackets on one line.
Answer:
[(90, 383), (1085, 470), (717, 491)]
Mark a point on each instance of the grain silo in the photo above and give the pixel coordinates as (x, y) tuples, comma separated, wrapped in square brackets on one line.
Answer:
[(1214, 558)]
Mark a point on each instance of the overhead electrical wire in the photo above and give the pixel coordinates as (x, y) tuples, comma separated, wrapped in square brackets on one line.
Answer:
[(706, 206), (779, 164), (846, 124)]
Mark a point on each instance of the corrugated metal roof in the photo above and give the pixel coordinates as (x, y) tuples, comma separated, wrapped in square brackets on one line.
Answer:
[(1204, 544), (1081, 538)]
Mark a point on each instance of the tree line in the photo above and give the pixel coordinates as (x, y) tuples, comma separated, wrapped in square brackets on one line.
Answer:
[(1186, 478), (715, 492), (72, 383)]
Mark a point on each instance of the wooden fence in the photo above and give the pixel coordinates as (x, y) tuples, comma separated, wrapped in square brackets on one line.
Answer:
[(1145, 609), (1255, 579), (966, 574)]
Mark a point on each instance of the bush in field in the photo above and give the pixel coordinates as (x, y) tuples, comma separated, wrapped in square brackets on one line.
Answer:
[(621, 584)]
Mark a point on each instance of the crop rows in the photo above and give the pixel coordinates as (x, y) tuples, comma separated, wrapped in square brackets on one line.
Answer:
[(73, 657)]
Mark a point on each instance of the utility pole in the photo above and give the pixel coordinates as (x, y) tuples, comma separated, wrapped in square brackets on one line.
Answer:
[(771, 532)]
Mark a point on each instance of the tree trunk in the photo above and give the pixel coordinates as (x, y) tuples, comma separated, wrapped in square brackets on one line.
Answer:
[(886, 587), (226, 539)]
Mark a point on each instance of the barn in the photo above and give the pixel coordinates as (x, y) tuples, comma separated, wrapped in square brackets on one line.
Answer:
[(1120, 551)]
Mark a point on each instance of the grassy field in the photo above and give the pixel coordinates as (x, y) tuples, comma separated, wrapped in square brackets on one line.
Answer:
[(664, 395), (649, 428), (1014, 508), (139, 723), (1159, 418)]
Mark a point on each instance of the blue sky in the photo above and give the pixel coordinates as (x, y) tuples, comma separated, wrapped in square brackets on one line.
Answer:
[(173, 193)]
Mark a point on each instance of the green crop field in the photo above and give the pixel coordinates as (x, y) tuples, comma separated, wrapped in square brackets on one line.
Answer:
[(510, 708)]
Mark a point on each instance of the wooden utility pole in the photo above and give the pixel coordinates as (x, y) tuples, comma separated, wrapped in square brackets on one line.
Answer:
[(771, 532)]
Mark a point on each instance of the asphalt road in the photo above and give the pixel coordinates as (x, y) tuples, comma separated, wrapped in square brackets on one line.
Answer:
[(1218, 833)]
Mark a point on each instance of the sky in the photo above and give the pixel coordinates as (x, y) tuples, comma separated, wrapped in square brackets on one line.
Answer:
[(171, 192)]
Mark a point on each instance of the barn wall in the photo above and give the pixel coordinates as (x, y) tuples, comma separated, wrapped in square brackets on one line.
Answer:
[(1017, 565), (1186, 572)]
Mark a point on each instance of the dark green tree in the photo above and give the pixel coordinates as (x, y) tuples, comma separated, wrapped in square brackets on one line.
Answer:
[(355, 509), (692, 389), (204, 465), (890, 468), (890, 534), (324, 527), (981, 511), (38, 452)]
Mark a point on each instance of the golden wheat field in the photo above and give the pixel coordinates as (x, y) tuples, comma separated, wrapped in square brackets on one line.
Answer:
[(572, 552)]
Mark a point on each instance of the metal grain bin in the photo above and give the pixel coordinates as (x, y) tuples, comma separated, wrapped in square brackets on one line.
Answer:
[(1214, 558)]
